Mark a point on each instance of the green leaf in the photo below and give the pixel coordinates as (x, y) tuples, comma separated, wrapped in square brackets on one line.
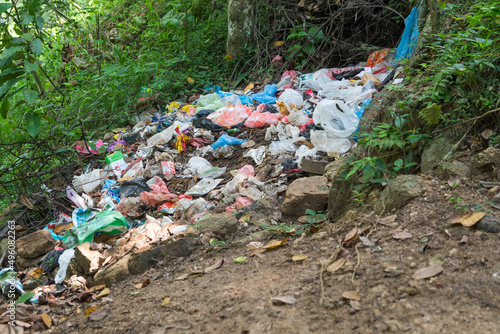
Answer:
[(27, 19), (30, 96), (39, 22), (33, 124), (4, 108), (25, 297), (431, 114), (11, 51), (5, 62), (4, 7), (30, 67), (6, 86), (36, 46), (310, 212), (28, 37)]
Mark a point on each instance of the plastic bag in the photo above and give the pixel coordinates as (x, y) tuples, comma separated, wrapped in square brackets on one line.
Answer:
[(241, 202), (134, 170), (129, 207), (106, 222), (266, 96), (257, 154), (166, 135), (203, 168), (168, 167), (209, 101), (82, 147), (230, 99), (258, 119), (63, 261), (282, 146), (305, 151), (76, 199), (323, 142), (298, 118), (223, 152), (133, 188), (227, 140), (158, 195), (229, 116), (88, 182), (9, 279), (335, 118), (292, 99), (335, 89), (117, 163), (204, 187)]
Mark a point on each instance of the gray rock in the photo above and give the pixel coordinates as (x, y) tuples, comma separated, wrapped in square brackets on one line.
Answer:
[(306, 193), (140, 262), (332, 168), (490, 224), (223, 225), (340, 193), (34, 245), (31, 282), (257, 236), (399, 192), (486, 162), (28, 263), (261, 209), (434, 152), (452, 168), (116, 272)]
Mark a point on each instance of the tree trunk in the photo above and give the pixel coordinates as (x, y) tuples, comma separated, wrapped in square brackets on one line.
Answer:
[(241, 24)]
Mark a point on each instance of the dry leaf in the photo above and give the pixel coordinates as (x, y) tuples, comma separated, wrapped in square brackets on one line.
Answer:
[(258, 253), (275, 243), (427, 272), (250, 86), (103, 293), (284, 300), (351, 236), (165, 301), (255, 245), (465, 239), (182, 277), (351, 295), (26, 202), (47, 320), (279, 43), (400, 235), (216, 265), (365, 241), (35, 273), (302, 3), (98, 315), (299, 257), (90, 310), (468, 219), (190, 80), (336, 265), (97, 287)]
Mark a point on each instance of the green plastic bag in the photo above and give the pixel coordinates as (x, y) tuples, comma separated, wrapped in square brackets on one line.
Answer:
[(210, 101), (106, 222)]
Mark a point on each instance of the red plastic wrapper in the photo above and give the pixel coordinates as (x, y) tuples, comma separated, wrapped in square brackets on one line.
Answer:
[(158, 195)]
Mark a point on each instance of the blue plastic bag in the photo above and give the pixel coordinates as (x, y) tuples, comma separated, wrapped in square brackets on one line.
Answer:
[(227, 140), (410, 36), (266, 96)]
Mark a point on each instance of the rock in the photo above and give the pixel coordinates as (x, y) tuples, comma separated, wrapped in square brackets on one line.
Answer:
[(87, 259), (399, 192), (260, 209), (140, 262), (257, 236), (30, 283), (35, 244), (486, 162), (222, 225), (452, 168), (434, 152), (191, 232), (340, 193), (3, 245), (489, 224), (27, 263), (114, 273), (74, 268), (306, 193), (332, 168)]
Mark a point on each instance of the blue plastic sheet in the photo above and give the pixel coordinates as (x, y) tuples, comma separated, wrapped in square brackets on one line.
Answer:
[(266, 96), (243, 98), (227, 140), (410, 36)]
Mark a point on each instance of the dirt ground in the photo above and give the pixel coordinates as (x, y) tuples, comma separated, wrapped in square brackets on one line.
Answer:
[(238, 297)]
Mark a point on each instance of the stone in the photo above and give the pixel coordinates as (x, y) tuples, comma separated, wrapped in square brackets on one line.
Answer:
[(35, 244), (452, 168), (87, 259), (305, 193), (140, 262), (260, 209), (191, 232), (115, 273), (332, 168), (489, 224), (31, 283), (28, 263), (74, 268), (3, 246), (340, 193), (257, 236), (433, 153), (486, 162), (223, 225), (399, 192)]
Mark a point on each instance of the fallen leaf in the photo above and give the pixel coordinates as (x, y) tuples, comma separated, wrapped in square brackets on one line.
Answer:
[(351, 236), (97, 287), (258, 253), (427, 272), (216, 265), (35, 273), (240, 259), (250, 86), (279, 43), (365, 241), (302, 3), (98, 315), (190, 80), (134, 292), (351, 295), (47, 320), (275, 243), (336, 265), (468, 219), (165, 301), (255, 245), (26, 202), (182, 277), (400, 235), (465, 239), (299, 257), (389, 221), (103, 293), (90, 310), (284, 300), (447, 232)]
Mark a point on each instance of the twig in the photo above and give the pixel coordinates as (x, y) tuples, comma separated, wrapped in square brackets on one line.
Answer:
[(467, 120)]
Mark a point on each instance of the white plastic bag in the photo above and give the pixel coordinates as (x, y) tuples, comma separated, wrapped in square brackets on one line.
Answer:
[(88, 182), (292, 99), (63, 261), (257, 154), (167, 134), (203, 187), (335, 118), (329, 144), (298, 118)]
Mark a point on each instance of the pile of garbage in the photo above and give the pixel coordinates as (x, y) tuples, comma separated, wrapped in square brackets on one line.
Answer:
[(187, 165)]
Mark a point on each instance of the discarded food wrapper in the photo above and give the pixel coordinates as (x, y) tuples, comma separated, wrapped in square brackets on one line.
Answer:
[(117, 163), (204, 187), (168, 167)]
